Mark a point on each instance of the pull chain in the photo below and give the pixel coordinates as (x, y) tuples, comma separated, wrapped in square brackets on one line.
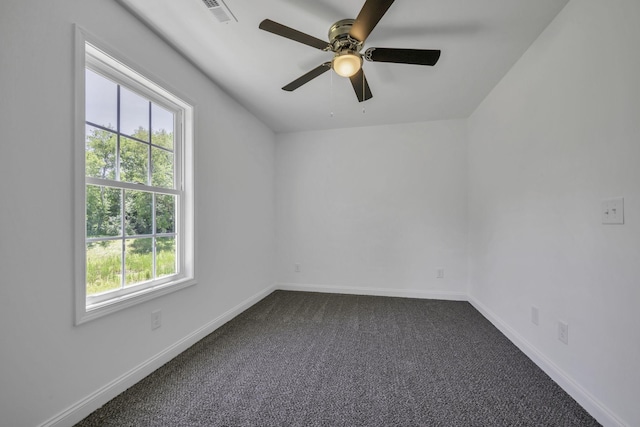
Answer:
[(363, 91), (331, 93)]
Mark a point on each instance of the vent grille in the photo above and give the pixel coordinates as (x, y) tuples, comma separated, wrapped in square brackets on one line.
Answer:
[(220, 10), (220, 14)]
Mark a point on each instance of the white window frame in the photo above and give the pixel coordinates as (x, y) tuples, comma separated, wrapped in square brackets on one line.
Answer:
[(93, 54)]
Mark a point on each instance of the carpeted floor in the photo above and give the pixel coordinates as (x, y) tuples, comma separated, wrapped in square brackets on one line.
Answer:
[(308, 359)]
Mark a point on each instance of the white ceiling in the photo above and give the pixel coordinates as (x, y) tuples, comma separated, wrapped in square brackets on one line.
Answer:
[(480, 41)]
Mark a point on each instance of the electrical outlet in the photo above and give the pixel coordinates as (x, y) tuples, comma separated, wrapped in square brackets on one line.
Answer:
[(613, 211), (440, 273), (535, 318), (156, 319), (563, 332)]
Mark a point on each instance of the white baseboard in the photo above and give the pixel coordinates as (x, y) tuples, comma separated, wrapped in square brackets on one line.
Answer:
[(75, 413), (386, 292), (592, 405)]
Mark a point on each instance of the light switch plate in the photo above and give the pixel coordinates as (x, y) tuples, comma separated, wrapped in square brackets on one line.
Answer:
[(613, 211)]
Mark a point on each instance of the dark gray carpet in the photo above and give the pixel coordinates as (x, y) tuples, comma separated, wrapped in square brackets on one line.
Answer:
[(307, 359)]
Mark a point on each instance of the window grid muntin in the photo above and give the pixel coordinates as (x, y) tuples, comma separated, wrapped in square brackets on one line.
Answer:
[(119, 78), (155, 281), (123, 237), (104, 128), (116, 77)]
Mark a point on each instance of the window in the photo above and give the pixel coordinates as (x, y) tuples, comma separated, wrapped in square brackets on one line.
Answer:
[(137, 195)]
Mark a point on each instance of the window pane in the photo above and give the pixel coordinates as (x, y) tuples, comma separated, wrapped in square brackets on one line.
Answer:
[(134, 161), (162, 173), (100, 153), (101, 100), (138, 260), (103, 216), (162, 127), (163, 139), (165, 213), (134, 114), (165, 256), (104, 266), (137, 212)]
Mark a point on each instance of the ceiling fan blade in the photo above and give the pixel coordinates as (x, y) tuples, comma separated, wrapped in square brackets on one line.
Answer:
[(295, 35), (360, 86), (402, 56), (368, 18), (308, 77)]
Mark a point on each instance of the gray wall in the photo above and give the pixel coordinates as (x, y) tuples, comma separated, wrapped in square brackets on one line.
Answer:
[(558, 135), (374, 210), (46, 364)]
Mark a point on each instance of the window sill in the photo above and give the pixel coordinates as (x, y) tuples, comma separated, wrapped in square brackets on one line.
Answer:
[(97, 310)]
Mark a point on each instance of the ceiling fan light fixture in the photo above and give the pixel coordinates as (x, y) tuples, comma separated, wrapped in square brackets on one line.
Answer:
[(346, 40), (346, 63)]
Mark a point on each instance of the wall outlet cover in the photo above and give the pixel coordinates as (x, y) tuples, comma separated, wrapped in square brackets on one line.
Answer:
[(156, 319), (613, 211), (563, 332)]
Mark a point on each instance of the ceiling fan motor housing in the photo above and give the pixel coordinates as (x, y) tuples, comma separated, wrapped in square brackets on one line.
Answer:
[(340, 39)]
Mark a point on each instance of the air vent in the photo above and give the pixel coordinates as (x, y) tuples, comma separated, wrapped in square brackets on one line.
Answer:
[(220, 10)]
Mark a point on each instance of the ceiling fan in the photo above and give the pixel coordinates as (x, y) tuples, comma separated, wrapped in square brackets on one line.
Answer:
[(346, 40)]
